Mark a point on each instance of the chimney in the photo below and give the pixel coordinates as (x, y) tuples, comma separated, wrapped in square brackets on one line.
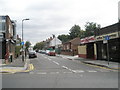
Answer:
[(17, 36), (50, 38), (53, 35)]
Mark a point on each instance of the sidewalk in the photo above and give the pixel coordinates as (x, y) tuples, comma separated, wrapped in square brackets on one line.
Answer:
[(16, 66), (102, 63)]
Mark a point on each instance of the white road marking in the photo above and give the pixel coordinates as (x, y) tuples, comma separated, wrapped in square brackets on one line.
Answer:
[(56, 62), (67, 72), (91, 71), (31, 72), (103, 70), (49, 59), (54, 72), (70, 69), (65, 67), (41, 73), (78, 71)]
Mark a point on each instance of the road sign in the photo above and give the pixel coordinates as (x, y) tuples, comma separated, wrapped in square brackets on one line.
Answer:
[(22, 43), (107, 37)]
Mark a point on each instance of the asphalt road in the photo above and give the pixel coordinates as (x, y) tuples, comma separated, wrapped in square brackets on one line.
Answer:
[(57, 72)]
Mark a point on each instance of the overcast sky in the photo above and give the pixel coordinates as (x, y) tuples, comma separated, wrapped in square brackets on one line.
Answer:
[(49, 17)]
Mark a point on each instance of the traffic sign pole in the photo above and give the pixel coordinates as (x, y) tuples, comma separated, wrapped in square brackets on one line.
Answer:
[(108, 52), (108, 57)]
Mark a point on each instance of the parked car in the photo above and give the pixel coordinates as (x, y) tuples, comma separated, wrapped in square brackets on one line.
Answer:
[(52, 53), (47, 52), (43, 52), (32, 54)]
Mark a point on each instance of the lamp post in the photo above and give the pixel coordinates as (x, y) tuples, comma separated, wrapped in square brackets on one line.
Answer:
[(23, 40)]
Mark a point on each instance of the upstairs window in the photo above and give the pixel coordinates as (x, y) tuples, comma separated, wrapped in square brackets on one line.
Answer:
[(2, 23)]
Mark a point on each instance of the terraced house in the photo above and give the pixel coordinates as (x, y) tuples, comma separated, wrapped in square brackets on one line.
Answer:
[(7, 38)]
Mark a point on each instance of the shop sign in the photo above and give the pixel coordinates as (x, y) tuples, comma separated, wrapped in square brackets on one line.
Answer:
[(87, 40), (107, 36)]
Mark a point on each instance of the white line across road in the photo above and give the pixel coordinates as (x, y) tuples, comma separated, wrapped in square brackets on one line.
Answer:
[(78, 71), (41, 73), (54, 72), (65, 67), (49, 59), (92, 71), (56, 62)]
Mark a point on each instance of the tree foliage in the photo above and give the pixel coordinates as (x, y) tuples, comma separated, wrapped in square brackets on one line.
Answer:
[(90, 28), (64, 38), (27, 44), (39, 46), (75, 31)]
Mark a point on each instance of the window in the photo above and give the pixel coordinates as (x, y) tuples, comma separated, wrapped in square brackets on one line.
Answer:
[(2, 23), (1, 35)]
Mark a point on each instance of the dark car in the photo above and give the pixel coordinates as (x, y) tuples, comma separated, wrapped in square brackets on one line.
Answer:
[(32, 54)]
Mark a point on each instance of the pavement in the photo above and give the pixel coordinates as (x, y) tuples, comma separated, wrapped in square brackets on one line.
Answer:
[(16, 66), (101, 63)]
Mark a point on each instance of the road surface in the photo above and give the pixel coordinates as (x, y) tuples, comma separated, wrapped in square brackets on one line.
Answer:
[(57, 72)]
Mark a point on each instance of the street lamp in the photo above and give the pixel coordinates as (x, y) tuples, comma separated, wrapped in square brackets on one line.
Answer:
[(23, 39)]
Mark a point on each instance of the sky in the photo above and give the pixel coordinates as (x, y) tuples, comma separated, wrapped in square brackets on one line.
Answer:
[(57, 17)]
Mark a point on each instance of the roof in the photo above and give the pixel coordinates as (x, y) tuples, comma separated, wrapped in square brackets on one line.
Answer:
[(75, 41)]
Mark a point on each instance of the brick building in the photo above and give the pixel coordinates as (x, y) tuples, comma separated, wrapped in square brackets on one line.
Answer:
[(71, 47), (7, 38)]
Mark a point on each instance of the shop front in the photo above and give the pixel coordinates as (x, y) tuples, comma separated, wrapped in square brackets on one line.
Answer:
[(108, 48), (87, 48)]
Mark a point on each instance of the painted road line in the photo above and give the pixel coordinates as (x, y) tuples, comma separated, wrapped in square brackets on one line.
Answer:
[(65, 67), (56, 62), (78, 71), (67, 72), (42, 73), (54, 72), (69, 69), (49, 59), (31, 72), (91, 71), (103, 70)]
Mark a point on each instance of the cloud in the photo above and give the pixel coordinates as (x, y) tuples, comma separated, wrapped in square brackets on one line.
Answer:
[(49, 17)]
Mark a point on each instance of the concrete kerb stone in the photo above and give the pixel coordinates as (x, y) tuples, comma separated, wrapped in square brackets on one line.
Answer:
[(27, 62), (86, 62), (27, 67), (100, 65)]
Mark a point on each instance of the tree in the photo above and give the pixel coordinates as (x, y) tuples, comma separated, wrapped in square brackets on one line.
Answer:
[(27, 44), (75, 31), (64, 38), (39, 46), (90, 28)]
